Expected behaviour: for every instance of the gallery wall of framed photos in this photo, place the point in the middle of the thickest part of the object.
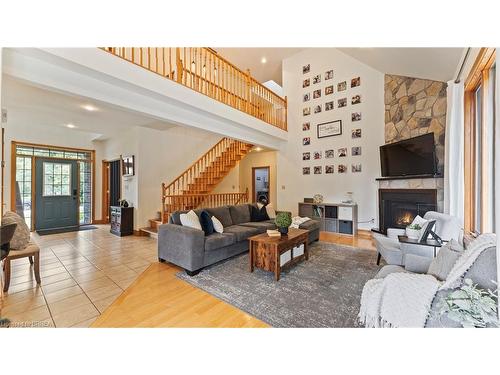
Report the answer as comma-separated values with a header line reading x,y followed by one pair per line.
x,y
336,126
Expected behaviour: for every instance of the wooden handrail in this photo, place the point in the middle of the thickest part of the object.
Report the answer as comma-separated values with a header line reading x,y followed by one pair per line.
x,y
206,72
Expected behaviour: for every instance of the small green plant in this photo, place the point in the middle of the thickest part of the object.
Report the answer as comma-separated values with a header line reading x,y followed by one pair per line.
x,y
283,219
471,306
414,226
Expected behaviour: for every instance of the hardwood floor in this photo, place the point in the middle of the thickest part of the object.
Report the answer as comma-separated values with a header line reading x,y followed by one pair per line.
x,y
157,298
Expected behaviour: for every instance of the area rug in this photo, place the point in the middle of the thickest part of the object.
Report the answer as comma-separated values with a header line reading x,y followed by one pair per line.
x,y
322,292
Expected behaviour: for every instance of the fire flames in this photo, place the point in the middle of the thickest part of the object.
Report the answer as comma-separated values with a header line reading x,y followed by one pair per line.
x,y
405,219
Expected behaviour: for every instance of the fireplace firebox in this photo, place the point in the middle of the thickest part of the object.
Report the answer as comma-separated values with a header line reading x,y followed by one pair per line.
x,y
398,207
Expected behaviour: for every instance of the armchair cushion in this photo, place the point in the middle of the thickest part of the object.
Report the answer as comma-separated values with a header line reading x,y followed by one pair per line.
x,y
393,233
416,263
446,258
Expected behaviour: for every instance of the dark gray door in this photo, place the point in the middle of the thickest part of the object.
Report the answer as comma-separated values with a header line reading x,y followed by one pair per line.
x,y
56,192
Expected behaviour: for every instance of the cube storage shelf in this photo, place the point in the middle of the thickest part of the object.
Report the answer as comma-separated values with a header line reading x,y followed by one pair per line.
x,y
333,217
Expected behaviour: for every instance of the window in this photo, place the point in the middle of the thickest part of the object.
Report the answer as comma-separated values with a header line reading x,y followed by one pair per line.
x,y
56,179
23,179
480,144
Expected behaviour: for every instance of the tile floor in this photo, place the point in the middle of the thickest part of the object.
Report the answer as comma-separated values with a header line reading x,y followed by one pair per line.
x,y
82,274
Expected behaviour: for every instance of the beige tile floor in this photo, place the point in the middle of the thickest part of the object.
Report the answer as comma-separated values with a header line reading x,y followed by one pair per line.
x,y
82,274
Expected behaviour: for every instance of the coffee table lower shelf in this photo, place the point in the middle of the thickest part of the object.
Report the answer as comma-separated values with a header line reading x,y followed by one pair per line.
x,y
266,252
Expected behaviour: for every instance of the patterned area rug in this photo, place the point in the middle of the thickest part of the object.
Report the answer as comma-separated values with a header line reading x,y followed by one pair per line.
x,y
322,292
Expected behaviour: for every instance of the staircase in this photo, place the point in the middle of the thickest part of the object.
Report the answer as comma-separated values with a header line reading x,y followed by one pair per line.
x,y
194,187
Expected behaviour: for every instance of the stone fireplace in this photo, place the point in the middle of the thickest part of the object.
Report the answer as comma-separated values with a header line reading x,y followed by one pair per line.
x,y
398,207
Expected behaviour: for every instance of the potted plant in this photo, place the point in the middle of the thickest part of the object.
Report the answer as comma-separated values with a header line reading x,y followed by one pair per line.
x,y
413,231
283,221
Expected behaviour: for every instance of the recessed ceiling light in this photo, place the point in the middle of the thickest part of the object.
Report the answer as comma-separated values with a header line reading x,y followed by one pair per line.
x,y
258,149
263,60
89,107
71,126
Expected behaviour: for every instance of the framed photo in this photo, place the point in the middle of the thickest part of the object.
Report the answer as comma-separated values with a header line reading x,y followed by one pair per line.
x,y
329,129
306,111
356,133
317,155
342,168
306,97
356,116
328,75
356,151
318,169
329,154
306,69
306,156
128,166
306,82
317,109
342,152
356,168
342,102
329,106
329,169
306,170
342,86
355,82
317,94
356,99
329,90
306,141
306,126
317,79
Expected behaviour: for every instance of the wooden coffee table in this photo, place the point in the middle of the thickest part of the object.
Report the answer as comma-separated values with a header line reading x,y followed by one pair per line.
x,y
266,252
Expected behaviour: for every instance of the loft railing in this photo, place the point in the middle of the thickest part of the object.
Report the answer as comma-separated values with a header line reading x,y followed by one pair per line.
x,y
206,72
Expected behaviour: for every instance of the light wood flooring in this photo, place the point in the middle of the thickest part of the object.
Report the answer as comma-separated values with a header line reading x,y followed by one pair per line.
x,y
89,273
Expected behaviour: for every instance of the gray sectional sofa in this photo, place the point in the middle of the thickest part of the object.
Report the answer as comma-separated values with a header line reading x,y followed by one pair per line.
x,y
190,249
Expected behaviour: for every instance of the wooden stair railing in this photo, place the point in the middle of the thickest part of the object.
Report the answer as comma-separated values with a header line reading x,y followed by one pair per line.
x,y
193,188
205,71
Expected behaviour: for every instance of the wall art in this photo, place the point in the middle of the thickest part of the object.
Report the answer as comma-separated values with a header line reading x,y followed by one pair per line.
x,y
329,129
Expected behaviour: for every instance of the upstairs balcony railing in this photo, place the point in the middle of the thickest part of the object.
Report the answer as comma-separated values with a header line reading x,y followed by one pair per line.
x,y
206,72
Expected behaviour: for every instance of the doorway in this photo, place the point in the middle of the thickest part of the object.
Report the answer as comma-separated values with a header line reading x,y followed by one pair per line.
x,y
56,194
260,185
111,186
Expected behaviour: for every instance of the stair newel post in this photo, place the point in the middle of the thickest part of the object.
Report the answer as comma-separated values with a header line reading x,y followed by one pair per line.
x,y
162,209
178,61
286,114
248,92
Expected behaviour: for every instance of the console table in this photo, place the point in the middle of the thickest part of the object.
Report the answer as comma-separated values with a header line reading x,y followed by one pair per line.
x,y
333,217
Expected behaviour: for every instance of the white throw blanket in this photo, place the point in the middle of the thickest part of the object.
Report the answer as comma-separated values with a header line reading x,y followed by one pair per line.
x,y
297,220
404,299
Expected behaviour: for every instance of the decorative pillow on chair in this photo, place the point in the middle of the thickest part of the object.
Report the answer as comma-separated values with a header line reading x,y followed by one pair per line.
x,y
206,223
444,261
21,236
258,214
218,227
190,220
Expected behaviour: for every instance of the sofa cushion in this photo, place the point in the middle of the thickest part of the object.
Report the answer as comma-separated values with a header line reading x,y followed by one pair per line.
x,y
240,213
262,226
446,258
310,225
206,223
217,240
387,270
241,232
258,214
222,213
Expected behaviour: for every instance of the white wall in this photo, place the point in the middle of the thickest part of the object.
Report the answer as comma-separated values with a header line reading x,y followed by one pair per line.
x,y
292,185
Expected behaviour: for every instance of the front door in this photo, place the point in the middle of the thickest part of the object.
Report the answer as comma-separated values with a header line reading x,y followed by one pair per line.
x,y
56,193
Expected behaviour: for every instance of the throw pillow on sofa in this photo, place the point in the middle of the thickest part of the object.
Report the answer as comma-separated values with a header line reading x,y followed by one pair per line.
x,y
217,225
190,220
21,236
444,261
257,214
271,212
206,223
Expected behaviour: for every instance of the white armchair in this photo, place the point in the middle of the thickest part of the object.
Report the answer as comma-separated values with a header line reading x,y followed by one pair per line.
x,y
388,247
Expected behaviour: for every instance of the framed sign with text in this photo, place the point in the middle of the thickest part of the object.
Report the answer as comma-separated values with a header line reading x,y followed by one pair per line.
x,y
329,129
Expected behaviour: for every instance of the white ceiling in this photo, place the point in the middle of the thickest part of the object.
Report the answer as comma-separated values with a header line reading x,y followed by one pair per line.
x,y
250,58
438,64
27,104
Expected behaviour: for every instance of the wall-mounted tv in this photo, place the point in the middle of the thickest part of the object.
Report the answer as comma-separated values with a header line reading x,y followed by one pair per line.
x,y
410,157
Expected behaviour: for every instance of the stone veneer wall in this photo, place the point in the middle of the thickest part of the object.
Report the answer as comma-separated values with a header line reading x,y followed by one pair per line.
x,y
414,107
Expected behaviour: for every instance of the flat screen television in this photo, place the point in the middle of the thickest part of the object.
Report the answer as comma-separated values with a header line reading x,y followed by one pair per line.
x,y
410,157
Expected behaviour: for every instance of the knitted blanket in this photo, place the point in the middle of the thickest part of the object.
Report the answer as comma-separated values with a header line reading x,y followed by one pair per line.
x,y
404,299
297,220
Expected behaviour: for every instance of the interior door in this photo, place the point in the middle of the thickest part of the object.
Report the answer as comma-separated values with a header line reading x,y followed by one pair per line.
x,y
56,193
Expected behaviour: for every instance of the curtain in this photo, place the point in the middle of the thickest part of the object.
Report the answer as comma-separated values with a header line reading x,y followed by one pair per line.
x,y
454,152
